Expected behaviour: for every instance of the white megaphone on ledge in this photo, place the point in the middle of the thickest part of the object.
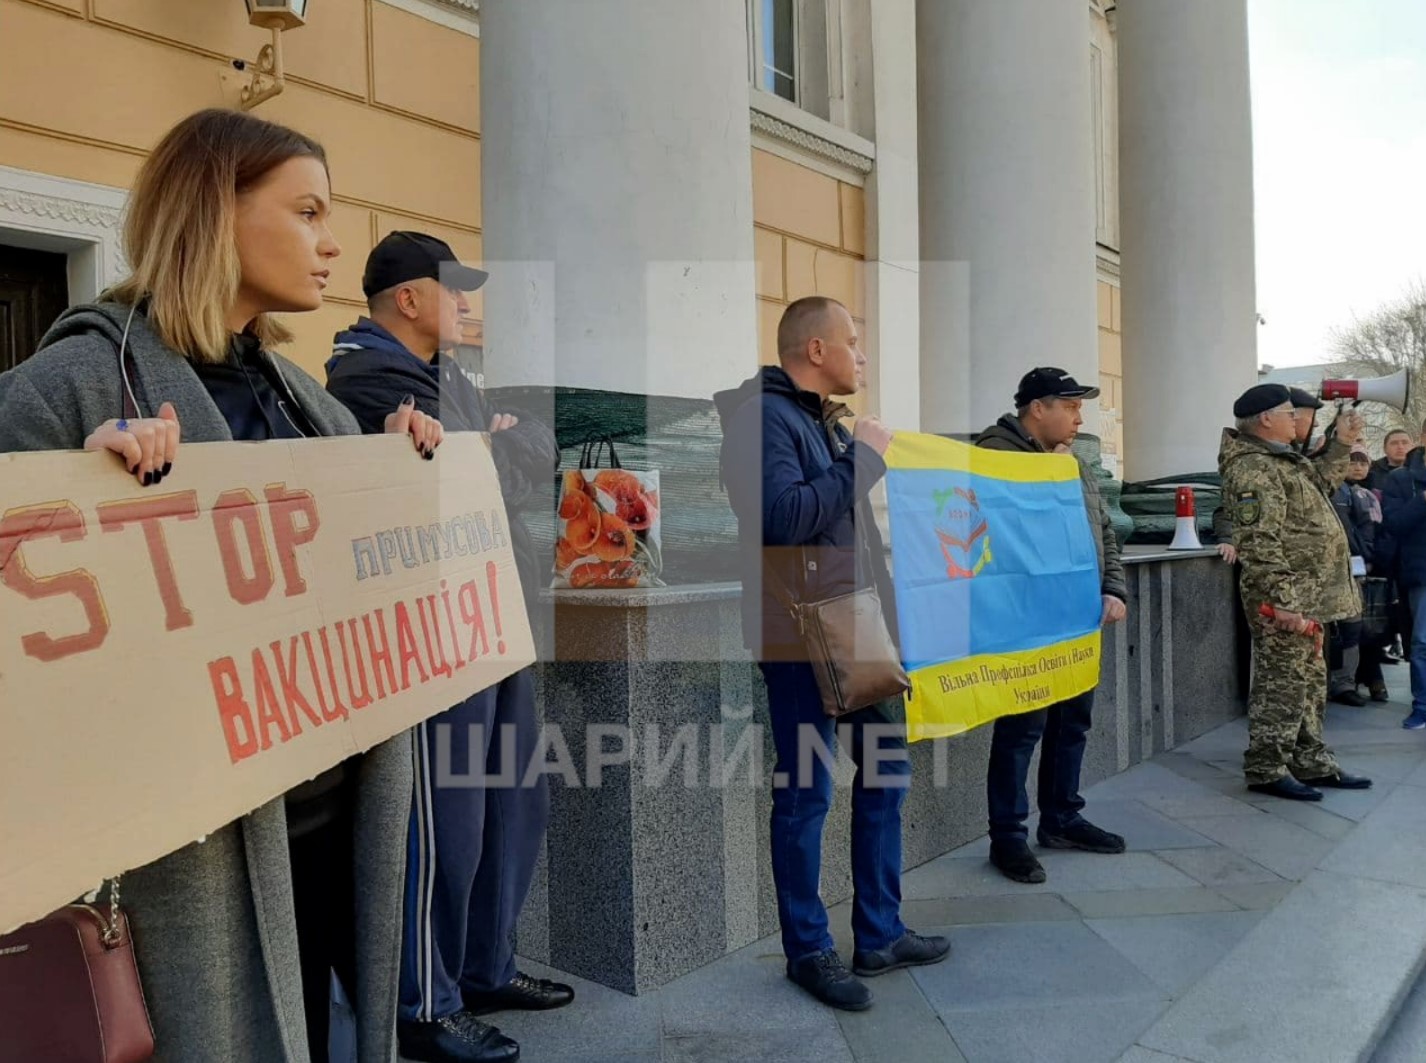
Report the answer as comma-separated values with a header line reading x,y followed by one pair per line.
x,y
1391,390
1185,533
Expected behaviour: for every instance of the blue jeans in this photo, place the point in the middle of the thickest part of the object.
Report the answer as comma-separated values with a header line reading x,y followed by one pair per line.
x,y
1065,729
799,809
1417,595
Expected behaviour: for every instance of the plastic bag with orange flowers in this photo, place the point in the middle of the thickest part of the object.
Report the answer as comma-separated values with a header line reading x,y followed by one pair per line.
x,y
608,525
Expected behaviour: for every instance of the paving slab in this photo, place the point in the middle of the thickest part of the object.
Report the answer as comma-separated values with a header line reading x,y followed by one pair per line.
x,y
1315,817
1393,764
1210,803
1152,779
1071,872
1256,896
1058,1034
1140,1054
1219,867
1123,904
1281,847
748,982
1006,908
1006,966
1331,991
1390,845
1417,777
738,1043
1174,951
1405,1042
901,1026
1357,805
1143,828
1188,766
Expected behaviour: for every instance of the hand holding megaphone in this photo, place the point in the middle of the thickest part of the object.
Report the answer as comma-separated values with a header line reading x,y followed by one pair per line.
x,y
1349,427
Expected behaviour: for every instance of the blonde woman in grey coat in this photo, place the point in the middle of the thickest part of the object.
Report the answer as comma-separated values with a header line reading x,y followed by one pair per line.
x,y
237,935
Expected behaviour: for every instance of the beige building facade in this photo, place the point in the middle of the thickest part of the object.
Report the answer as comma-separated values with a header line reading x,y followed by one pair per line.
x,y
986,186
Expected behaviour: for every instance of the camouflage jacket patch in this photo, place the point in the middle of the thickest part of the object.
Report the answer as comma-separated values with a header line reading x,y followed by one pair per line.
x,y
1248,509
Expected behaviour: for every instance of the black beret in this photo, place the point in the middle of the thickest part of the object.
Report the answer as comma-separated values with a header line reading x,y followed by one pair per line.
x,y
1304,400
1260,398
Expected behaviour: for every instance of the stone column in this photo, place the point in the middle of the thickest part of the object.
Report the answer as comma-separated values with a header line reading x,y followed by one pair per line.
x,y
1007,203
617,192
617,220
1186,218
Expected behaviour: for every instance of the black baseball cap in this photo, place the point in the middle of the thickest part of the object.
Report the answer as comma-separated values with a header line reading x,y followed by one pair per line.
x,y
1304,400
1049,383
407,256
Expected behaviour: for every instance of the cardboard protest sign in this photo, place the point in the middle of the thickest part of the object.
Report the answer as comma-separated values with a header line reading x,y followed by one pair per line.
x,y
173,657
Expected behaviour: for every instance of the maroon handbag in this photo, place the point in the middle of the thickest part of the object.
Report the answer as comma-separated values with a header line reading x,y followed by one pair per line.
x,y
70,991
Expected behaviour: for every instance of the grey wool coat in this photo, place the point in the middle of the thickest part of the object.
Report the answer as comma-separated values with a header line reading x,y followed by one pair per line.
x,y
213,923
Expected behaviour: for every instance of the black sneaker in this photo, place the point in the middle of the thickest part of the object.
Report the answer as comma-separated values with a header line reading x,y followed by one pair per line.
x,y
1016,862
1081,834
825,976
910,950
458,1038
523,993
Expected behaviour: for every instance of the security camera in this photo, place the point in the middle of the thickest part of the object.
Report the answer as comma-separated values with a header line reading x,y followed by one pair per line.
x,y
240,65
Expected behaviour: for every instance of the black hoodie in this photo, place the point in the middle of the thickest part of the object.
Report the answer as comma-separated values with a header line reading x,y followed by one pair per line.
x,y
801,504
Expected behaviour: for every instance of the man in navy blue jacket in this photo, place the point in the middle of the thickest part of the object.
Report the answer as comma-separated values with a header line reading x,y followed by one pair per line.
x,y
798,484
1403,517
472,849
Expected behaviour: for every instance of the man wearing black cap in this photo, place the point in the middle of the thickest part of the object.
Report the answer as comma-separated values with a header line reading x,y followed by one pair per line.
x,y
1046,419
1297,562
472,848
1304,415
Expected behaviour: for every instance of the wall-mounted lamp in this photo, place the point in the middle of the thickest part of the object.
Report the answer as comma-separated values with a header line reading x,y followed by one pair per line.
x,y
268,80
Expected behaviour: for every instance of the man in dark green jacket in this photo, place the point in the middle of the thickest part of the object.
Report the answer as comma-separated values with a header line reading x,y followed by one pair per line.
x,y
1046,419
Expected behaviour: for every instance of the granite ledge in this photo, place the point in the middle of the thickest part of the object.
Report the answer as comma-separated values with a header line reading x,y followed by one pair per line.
x,y
694,593
645,597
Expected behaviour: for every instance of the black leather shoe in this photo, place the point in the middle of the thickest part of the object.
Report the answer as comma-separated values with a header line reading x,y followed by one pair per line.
x,y
1348,697
1287,787
1081,834
911,950
1380,693
522,994
826,977
1341,781
1016,862
458,1038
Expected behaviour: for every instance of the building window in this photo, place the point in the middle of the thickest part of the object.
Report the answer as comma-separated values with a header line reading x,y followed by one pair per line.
x,y
775,45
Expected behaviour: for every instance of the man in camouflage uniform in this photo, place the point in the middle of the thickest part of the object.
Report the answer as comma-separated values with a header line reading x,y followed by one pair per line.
x,y
1295,558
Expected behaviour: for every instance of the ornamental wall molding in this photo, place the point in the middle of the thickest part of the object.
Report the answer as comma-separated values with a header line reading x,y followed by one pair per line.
x,y
805,140
60,209
80,220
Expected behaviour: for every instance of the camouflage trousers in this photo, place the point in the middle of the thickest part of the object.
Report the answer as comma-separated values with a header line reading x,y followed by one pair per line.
x,y
1285,709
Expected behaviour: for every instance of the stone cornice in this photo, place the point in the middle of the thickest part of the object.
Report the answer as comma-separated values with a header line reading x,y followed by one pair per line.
x,y
59,209
805,140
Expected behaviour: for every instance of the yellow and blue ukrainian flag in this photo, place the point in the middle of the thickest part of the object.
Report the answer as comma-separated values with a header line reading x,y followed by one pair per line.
x,y
997,581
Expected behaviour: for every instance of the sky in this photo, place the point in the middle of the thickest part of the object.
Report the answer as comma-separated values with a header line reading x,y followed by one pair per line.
x,y
1339,146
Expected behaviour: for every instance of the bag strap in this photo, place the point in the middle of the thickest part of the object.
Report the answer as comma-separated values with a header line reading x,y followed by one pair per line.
x,y
593,451
860,512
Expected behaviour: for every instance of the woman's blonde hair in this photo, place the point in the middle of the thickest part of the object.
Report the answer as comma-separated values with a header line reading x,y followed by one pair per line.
x,y
179,232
